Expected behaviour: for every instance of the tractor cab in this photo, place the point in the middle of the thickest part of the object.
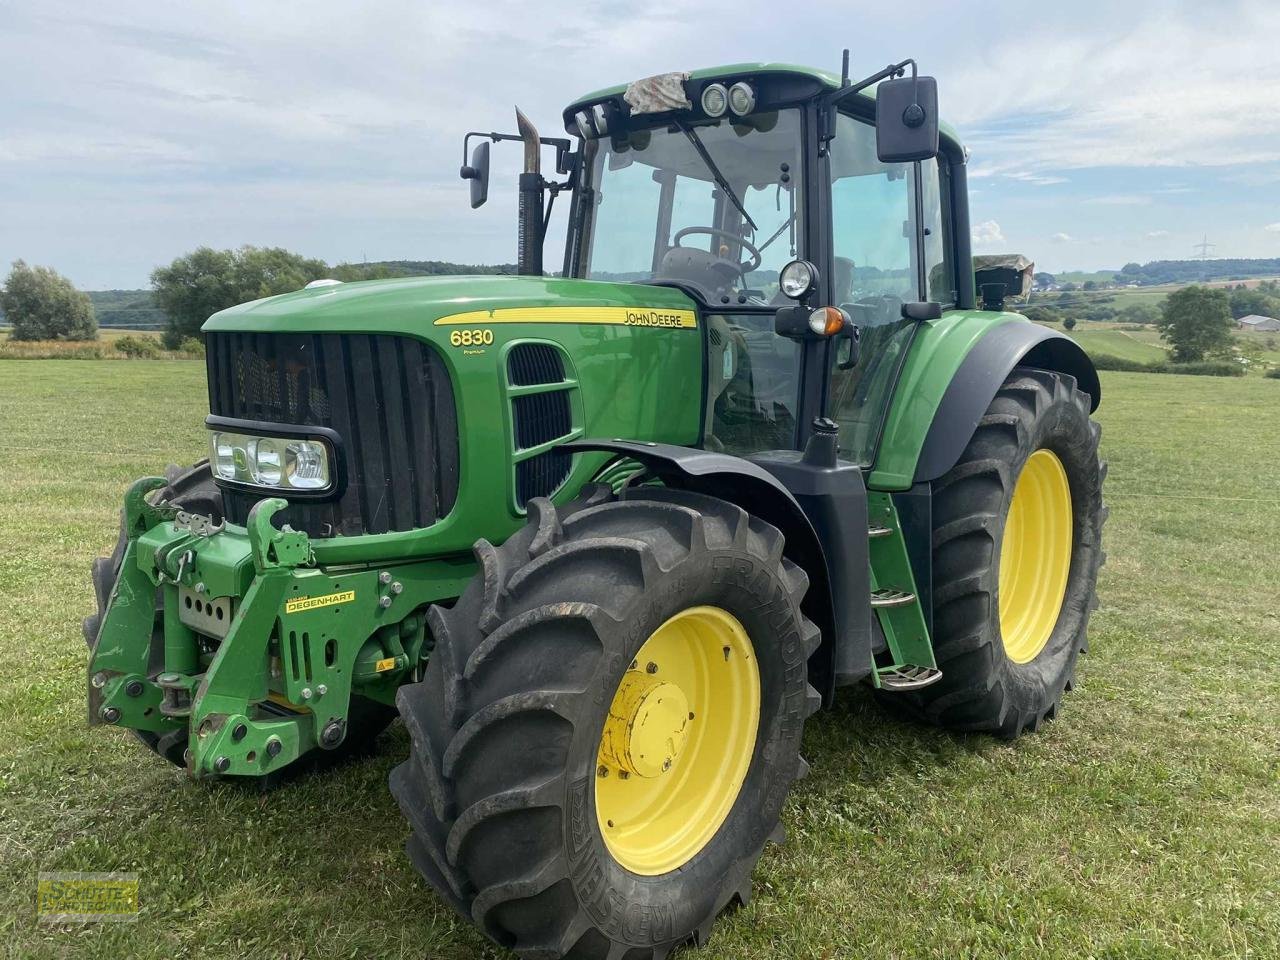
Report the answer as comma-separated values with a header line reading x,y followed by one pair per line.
x,y
723,182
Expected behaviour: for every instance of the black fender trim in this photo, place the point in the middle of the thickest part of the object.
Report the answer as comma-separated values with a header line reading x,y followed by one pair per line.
x,y
976,382
759,492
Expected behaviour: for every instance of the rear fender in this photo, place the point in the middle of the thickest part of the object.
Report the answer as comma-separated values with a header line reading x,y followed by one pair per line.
x,y
956,366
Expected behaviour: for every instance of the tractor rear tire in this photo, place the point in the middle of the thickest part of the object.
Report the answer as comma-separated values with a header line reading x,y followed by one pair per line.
x,y
508,785
1007,658
192,488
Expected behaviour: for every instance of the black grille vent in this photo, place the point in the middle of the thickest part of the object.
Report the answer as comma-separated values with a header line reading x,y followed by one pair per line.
x,y
529,364
390,400
541,418
540,476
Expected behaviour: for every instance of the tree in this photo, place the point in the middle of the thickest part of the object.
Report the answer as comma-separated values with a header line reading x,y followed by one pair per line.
x,y
1143,313
1069,323
1196,321
1131,269
1044,279
1250,302
195,286
42,304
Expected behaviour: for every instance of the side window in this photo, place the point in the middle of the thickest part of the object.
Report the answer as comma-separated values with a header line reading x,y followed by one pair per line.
x,y
876,270
937,238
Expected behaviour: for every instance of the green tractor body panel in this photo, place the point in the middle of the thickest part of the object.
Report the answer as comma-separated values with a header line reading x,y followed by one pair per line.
x,y
937,351
629,373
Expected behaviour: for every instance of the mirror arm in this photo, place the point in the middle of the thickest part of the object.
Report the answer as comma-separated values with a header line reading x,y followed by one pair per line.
x,y
853,89
562,144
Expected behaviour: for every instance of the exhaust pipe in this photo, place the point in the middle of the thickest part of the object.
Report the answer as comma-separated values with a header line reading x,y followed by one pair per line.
x,y
529,249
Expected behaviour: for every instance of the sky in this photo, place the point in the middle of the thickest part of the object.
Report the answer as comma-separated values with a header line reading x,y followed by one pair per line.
x,y
132,132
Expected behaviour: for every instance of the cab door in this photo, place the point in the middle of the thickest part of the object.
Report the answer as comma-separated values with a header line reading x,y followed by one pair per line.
x,y
876,248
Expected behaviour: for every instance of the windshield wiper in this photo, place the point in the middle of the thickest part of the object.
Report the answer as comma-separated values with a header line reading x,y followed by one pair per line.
x,y
721,182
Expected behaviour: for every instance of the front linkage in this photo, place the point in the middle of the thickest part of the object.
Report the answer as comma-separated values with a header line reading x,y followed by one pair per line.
x,y
228,643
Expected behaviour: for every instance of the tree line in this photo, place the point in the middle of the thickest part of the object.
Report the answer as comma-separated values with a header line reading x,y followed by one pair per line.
x,y
41,304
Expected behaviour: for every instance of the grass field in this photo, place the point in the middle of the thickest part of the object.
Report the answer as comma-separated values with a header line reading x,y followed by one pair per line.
x,y
1143,823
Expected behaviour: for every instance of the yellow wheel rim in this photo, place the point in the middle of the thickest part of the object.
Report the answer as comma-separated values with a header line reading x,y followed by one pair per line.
x,y
1035,556
678,741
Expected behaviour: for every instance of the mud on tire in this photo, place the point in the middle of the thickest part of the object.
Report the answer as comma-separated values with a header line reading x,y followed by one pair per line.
x,y
506,724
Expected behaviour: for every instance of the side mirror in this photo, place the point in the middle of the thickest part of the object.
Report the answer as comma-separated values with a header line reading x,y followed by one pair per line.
x,y
922,310
477,171
907,119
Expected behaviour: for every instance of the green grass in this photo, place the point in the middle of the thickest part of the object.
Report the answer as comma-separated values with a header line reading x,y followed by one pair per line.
x,y
1117,343
1143,823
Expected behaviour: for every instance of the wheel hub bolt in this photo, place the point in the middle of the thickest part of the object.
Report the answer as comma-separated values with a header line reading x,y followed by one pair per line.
x,y
111,714
602,771
133,688
651,667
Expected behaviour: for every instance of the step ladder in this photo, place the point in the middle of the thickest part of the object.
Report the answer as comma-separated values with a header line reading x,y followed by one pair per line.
x,y
894,603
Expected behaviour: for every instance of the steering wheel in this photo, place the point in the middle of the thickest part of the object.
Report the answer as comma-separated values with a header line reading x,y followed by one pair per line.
x,y
743,268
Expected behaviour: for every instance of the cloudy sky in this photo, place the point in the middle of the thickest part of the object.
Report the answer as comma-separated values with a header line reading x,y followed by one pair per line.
x,y
131,132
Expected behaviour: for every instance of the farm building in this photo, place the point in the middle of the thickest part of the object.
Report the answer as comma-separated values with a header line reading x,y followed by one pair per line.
x,y
1255,322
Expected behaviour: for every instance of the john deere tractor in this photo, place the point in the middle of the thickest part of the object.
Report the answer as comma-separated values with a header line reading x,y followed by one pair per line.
x,y
606,538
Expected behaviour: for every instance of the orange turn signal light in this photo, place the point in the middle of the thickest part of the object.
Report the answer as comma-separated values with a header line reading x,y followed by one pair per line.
x,y
826,321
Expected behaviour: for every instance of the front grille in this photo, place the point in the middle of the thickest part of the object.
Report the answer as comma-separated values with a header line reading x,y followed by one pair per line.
x,y
541,418
534,363
390,400
542,475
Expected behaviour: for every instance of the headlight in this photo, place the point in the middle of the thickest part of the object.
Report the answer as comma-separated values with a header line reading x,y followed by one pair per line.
x,y
742,99
797,279
601,118
715,98
281,463
585,130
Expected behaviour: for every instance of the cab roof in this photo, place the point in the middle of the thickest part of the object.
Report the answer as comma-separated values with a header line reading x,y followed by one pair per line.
x,y
827,79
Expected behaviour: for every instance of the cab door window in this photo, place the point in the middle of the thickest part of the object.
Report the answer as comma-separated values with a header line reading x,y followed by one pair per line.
x,y
875,270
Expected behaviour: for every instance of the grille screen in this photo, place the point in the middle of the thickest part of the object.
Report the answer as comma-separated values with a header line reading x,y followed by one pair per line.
x,y
390,400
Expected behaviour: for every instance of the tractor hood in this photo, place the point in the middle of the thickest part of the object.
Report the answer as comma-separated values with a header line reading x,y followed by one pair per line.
x,y
422,306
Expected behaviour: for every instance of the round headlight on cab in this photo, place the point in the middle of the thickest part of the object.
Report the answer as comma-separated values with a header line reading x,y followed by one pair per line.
x,y
585,130
715,100
742,99
601,118
798,279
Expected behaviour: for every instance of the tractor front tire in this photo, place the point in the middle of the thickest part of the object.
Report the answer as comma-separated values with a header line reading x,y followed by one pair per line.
x,y
559,797
1017,544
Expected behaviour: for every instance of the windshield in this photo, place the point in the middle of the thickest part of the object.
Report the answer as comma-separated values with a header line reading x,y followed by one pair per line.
x,y
659,214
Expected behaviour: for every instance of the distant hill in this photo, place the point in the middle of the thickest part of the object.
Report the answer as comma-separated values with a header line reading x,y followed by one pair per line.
x,y
1197,271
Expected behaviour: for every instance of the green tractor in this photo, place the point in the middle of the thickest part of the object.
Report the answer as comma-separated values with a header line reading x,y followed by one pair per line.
x,y
606,539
